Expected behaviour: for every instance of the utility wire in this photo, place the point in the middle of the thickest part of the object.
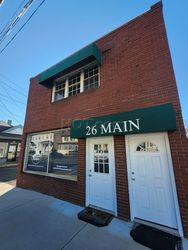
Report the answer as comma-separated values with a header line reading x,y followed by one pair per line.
x,y
6,97
1,2
10,96
15,13
9,111
14,89
14,20
22,26
7,79
2,111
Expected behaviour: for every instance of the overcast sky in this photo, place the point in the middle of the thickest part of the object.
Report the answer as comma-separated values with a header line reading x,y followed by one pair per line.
x,y
60,28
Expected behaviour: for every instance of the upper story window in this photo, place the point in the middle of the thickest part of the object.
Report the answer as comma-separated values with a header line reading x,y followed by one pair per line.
x,y
72,84
91,77
59,92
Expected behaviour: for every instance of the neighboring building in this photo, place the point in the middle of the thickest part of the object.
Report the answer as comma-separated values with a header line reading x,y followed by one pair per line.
x,y
104,128
10,142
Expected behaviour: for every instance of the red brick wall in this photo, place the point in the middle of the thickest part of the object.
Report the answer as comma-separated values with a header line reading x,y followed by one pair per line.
x,y
122,192
136,72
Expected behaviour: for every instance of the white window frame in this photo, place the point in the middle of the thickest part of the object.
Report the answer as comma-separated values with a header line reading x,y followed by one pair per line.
x,y
92,76
65,177
65,77
74,84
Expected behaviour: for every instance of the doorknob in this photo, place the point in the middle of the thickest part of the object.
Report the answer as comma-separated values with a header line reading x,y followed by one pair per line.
x,y
133,179
90,174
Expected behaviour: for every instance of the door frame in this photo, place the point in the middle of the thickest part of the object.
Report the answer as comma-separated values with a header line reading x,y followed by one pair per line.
x,y
87,192
172,178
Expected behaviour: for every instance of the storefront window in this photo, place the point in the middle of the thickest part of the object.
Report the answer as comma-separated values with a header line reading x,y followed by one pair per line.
x,y
3,149
64,155
18,150
12,151
53,153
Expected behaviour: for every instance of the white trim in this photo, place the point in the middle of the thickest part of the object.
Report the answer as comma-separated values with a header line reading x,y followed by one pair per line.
x,y
177,209
66,88
172,178
86,173
82,81
129,177
66,76
62,177
113,170
26,152
157,226
53,93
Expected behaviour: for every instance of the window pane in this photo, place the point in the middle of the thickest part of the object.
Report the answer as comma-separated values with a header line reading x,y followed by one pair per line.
x,y
39,147
12,151
147,147
59,90
63,159
74,84
101,158
106,167
91,77
96,167
3,149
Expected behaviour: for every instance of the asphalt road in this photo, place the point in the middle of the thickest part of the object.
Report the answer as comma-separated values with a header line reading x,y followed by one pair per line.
x,y
8,175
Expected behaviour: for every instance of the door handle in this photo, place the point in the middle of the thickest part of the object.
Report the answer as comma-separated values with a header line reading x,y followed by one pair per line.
x,y
90,174
133,179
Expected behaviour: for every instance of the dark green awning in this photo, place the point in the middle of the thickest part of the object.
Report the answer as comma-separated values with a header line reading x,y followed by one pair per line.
x,y
153,119
85,55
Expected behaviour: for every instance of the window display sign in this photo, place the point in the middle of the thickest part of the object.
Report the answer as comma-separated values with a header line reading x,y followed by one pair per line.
x,y
40,146
64,155
53,153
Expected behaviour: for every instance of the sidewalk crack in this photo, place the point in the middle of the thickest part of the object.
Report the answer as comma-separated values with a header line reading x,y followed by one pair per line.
x,y
66,244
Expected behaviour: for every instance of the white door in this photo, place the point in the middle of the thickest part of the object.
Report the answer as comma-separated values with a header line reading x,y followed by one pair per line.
x,y
100,173
152,193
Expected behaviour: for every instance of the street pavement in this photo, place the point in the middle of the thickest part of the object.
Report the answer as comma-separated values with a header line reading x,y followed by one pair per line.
x,y
8,175
34,221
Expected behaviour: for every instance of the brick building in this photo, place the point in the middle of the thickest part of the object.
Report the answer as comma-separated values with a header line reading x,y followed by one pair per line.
x,y
10,143
104,128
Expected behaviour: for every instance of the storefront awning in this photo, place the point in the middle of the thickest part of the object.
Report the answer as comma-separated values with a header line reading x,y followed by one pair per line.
x,y
76,60
153,119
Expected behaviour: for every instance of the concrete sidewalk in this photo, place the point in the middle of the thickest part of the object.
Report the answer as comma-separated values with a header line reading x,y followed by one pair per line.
x,y
31,220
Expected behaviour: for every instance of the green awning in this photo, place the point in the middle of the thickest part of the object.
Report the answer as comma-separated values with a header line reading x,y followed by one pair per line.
x,y
153,119
83,56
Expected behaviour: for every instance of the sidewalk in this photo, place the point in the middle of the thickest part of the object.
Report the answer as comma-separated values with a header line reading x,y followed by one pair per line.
x,y
31,220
